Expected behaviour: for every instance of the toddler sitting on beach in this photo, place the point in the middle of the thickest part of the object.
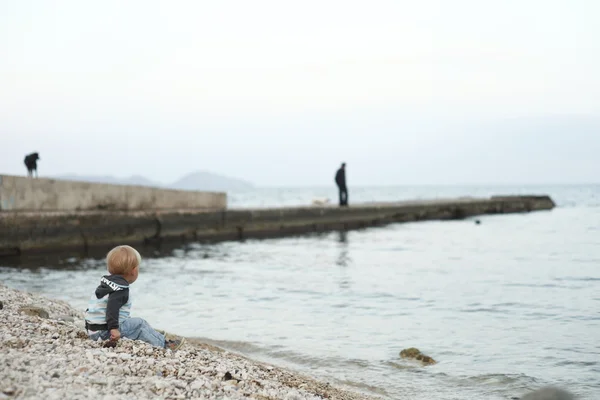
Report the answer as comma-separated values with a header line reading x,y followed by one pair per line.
x,y
107,315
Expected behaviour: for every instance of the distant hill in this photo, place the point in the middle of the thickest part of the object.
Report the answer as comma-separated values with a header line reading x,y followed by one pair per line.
x,y
201,180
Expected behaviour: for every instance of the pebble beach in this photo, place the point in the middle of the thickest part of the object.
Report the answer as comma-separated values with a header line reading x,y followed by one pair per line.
x,y
46,355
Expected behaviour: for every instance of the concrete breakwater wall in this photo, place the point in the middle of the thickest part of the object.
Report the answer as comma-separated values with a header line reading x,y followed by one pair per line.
x,y
30,232
24,194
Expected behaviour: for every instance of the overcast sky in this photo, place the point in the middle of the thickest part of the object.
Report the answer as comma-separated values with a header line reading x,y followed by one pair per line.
x,y
280,92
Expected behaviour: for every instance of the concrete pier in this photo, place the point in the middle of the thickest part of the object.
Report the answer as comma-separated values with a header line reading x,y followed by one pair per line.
x,y
23,232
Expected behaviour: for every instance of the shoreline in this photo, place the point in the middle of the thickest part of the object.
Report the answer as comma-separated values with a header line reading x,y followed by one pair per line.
x,y
52,358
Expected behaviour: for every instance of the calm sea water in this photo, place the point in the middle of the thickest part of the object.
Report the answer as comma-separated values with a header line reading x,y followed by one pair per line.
x,y
505,307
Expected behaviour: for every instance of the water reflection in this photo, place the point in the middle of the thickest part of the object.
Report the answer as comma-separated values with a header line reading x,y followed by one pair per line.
x,y
343,260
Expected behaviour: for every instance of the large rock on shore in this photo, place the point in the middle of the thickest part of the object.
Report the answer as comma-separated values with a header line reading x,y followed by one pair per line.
x,y
34,311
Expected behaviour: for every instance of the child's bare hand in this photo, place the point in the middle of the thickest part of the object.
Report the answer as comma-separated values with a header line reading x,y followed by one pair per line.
x,y
115,335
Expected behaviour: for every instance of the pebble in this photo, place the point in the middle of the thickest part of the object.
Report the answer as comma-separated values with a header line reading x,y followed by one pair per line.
x,y
179,384
196,385
81,370
99,381
65,318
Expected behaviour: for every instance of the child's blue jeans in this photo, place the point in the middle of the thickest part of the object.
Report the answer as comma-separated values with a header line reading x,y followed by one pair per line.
x,y
135,329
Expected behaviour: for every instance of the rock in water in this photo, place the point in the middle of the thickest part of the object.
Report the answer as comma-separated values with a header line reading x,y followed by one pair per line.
x,y
549,393
411,352
34,311
415,354
425,359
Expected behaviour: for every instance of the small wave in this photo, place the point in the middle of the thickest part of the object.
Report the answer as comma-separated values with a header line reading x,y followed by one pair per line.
x,y
396,249
540,315
416,367
543,285
301,291
364,387
509,304
573,349
266,298
502,379
341,305
579,279
233,345
409,298
199,271
483,309
364,307
582,318
576,363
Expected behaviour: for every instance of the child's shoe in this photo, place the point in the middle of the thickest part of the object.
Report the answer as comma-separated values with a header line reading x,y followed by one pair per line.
x,y
174,344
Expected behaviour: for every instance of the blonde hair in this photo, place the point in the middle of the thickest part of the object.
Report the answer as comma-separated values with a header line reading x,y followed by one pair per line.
x,y
122,259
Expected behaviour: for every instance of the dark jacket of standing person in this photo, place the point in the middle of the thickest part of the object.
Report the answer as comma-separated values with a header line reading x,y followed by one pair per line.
x,y
340,180
340,177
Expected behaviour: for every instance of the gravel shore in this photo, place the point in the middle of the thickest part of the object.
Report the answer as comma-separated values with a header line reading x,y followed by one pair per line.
x,y
50,357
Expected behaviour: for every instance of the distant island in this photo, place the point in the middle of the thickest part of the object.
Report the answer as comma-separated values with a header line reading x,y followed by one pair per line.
x,y
200,180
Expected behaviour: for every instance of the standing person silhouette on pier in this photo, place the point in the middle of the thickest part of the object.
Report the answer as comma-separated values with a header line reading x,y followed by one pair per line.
x,y
340,181
31,164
